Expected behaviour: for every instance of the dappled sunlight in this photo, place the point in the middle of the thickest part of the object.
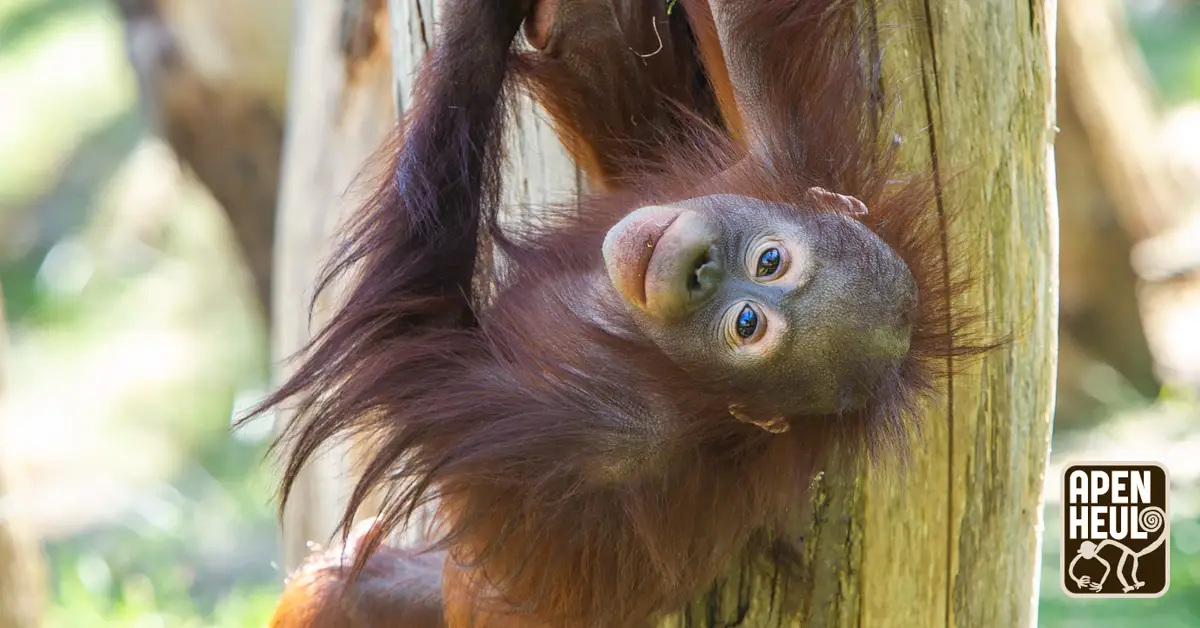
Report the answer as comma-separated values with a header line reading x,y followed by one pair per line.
x,y
131,337
67,420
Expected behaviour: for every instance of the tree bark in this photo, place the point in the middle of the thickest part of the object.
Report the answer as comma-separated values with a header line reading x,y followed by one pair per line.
x,y
954,539
21,572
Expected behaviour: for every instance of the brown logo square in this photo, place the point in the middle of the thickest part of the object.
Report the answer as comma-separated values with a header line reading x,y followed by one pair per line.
x,y
1116,521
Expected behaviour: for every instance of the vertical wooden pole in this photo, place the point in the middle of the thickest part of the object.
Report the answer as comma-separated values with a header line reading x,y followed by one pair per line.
x,y
954,539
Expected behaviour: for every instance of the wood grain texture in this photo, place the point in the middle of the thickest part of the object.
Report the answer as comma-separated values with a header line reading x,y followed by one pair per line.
x,y
954,539
992,103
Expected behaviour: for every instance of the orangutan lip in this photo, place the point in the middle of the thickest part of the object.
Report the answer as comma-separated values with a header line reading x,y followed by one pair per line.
x,y
629,248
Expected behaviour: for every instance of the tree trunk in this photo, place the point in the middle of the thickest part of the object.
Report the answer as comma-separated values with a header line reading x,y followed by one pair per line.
x,y
21,572
1116,189
212,76
1102,74
954,539
1100,317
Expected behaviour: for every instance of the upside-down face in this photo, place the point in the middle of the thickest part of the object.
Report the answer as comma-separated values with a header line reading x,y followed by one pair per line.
x,y
801,304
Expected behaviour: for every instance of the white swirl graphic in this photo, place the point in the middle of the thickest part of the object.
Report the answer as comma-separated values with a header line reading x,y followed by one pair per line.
x,y
1151,518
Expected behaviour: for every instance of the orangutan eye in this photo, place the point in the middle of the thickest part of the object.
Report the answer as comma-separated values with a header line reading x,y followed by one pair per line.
x,y
747,323
768,263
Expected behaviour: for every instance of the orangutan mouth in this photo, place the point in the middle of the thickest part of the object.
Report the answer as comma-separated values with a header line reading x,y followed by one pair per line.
x,y
629,248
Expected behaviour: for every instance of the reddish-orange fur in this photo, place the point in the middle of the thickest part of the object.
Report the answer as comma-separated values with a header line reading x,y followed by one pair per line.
x,y
487,390
316,594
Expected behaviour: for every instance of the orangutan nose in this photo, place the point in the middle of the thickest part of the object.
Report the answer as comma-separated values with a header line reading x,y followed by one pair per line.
x,y
685,270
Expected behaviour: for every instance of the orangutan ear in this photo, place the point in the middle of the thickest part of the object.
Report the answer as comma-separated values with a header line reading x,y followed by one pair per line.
x,y
852,205
775,424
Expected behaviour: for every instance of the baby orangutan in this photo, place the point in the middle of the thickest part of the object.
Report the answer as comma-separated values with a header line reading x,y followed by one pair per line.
x,y
637,398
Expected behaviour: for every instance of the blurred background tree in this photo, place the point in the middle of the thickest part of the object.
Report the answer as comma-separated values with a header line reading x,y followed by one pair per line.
x,y
21,595
212,78
1117,189
142,147
140,150
1128,162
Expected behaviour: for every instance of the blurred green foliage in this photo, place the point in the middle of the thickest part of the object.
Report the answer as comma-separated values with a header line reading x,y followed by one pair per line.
x,y
1169,39
196,547
95,267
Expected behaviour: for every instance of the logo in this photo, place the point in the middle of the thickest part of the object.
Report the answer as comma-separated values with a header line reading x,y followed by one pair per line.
x,y
1115,530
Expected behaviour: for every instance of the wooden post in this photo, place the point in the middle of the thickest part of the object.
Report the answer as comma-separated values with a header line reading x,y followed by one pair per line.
x,y
1111,97
954,539
212,76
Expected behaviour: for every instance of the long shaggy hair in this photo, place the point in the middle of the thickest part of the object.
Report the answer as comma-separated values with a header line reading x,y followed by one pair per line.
x,y
581,476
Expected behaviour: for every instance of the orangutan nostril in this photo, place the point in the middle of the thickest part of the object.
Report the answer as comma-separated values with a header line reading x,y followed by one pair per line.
x,y
705,275
698,265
